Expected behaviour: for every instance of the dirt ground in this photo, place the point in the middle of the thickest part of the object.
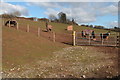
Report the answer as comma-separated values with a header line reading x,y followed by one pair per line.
x,y
71,62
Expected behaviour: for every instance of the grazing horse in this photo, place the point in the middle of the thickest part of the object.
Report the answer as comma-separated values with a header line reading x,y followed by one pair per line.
x,y
49,28
105,35
11,23
89,32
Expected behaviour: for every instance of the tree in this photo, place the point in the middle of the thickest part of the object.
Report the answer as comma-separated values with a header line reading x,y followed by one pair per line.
x,y
99,27
16,13
62,17
83,25
52,17
7,16
68,21
116,27
91,26
56,20
73,20
11,15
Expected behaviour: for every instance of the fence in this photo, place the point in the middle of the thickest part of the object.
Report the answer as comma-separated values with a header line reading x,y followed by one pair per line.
x,y
34,30
113,40
66,38
40,31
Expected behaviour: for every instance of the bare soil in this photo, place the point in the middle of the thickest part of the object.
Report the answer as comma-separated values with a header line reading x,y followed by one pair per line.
x,y
71,62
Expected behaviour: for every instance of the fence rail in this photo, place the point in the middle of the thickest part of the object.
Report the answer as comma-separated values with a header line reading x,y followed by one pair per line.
x,y
78,39
67,38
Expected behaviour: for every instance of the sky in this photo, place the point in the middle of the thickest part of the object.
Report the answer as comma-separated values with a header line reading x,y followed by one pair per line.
x,y
92,13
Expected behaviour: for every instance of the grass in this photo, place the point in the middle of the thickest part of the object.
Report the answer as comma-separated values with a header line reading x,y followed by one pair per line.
x,y
21,47
57,27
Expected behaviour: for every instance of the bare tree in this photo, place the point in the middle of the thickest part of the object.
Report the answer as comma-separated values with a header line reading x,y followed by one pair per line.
x,y
16,13
52,17
62,17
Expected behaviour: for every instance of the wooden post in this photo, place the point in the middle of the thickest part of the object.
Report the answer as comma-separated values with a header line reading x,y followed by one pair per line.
x,y
28,28
3,22
74,38
38,31
9,24
47,26
53,36
89,39
102,38
117,41
17,26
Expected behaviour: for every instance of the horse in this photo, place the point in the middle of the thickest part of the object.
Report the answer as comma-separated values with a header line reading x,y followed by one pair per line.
x,y
11,23
105,36
89,32
49,28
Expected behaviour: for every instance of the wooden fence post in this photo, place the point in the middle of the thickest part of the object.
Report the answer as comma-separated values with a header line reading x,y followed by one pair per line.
x,y
89,39
102,38
117,41
38,31
17,26
74,38
3,22
28,27
53,36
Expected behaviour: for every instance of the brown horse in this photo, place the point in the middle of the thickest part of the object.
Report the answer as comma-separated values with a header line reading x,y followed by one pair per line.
x,y
49,28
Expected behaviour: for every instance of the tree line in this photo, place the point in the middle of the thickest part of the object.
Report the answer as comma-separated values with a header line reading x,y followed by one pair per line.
x,y
62,18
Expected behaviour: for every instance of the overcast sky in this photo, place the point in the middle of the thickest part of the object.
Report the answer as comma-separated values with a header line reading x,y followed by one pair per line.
x,y
96,13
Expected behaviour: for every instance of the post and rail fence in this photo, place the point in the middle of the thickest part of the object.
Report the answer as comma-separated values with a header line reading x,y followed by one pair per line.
x,y
113,40
28,28
77,39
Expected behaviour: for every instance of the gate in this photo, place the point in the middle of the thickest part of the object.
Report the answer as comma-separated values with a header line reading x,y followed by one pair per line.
x,y
113,40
